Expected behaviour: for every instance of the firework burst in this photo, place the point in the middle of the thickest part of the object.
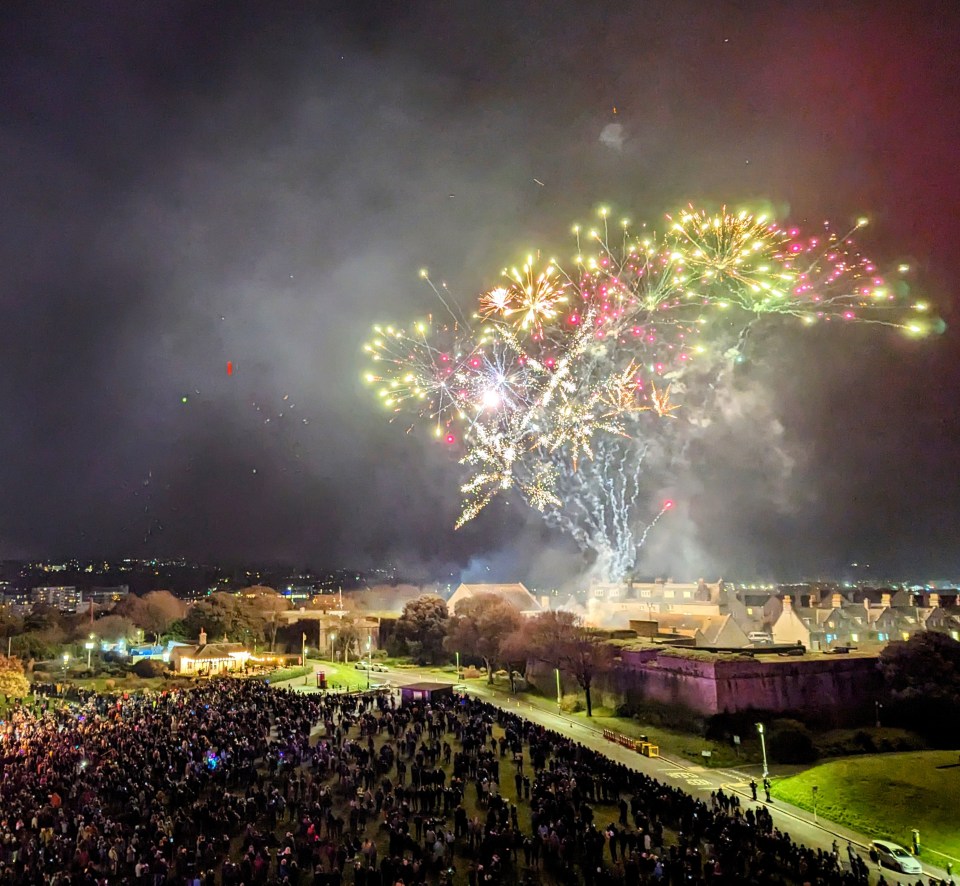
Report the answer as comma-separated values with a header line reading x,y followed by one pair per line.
x,y
560,358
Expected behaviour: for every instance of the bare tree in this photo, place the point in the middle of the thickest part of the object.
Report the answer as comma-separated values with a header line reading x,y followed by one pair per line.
x,y
561,640
480,626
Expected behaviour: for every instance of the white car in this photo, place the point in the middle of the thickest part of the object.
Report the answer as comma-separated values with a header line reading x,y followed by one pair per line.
x,y
891,855
374,666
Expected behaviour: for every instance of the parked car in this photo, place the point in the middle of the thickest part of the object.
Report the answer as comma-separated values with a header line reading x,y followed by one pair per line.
x,y
374,666
760,638
891,855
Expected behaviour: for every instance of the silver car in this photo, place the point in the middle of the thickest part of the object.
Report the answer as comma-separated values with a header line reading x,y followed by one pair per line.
x,y
891,855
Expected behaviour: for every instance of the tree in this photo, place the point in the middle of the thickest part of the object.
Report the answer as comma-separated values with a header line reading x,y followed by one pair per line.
x,y
561,640
480,625
270,604
160,610
44,618
347,638
13,682
113,628
33,646
922,682
227,615
10,624
422,627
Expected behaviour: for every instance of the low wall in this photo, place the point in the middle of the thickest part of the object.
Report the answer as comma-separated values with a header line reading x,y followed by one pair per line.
x,y
837,689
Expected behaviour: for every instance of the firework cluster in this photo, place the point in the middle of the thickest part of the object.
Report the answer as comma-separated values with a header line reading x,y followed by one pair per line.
x,y
557,355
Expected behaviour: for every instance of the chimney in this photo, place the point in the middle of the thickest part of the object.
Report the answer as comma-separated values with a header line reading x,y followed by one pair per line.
x,y
837,601
544,602
934,601
885,600
203,637
787,603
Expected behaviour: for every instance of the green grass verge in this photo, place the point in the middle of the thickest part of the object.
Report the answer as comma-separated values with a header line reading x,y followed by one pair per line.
x,y
886,797
674,743
281,674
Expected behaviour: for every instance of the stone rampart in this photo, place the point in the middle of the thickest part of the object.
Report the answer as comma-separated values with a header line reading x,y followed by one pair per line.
x,y
835,689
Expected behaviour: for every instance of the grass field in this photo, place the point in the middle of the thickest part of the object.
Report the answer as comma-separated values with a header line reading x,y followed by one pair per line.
x,y
886,797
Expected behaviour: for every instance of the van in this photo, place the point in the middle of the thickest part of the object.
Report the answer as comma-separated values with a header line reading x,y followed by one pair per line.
x,y
760,638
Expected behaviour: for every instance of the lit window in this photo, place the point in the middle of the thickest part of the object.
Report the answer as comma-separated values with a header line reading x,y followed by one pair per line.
x,y
855,638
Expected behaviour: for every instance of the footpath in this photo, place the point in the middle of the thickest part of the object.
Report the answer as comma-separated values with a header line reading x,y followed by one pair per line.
x,y
699,780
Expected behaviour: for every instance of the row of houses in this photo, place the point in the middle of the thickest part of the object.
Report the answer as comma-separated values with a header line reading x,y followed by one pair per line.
x,y
716,615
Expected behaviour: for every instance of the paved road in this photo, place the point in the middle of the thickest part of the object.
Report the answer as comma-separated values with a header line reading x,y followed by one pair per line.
x,y
697,780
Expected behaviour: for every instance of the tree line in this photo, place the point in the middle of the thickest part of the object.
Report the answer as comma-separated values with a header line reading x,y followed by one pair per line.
x,y
489,629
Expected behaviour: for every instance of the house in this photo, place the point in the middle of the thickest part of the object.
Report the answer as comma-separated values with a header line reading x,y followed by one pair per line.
x,y
944,621
517,594
723,632
847,624
209,659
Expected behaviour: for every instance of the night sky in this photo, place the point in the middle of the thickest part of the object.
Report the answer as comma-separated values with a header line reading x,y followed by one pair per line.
x,y
189,183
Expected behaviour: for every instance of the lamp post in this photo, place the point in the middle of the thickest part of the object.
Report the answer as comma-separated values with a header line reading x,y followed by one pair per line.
x,y
368,661
763,748
458,666
559,696
303,658
66,658
89,647
816,790
333,645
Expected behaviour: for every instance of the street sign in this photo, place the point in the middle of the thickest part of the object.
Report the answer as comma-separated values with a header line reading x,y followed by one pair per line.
x,y
736,739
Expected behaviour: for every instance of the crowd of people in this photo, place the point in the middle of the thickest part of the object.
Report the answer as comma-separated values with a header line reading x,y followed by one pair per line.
x,y
234,782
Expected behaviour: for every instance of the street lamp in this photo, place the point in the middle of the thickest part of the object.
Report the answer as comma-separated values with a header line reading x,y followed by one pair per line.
x,y
816,790
368,661
89,647
559,696
763,748
458,666
333,645
66,658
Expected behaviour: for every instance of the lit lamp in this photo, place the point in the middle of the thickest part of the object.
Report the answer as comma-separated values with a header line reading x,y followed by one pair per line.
x,y
66,658
763,748
89,647
333,646
368,661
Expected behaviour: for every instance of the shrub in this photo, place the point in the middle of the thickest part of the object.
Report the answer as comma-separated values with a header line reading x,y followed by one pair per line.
x,y
571,704
110,684
147,668
790,741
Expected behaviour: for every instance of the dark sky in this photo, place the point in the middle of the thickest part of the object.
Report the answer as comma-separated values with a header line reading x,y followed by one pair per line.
x,y
187,183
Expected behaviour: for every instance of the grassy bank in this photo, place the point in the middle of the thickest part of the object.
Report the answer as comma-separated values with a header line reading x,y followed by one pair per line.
x,y
886,797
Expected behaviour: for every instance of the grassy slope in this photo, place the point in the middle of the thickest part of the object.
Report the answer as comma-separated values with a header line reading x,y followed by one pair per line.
x,y
886,796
